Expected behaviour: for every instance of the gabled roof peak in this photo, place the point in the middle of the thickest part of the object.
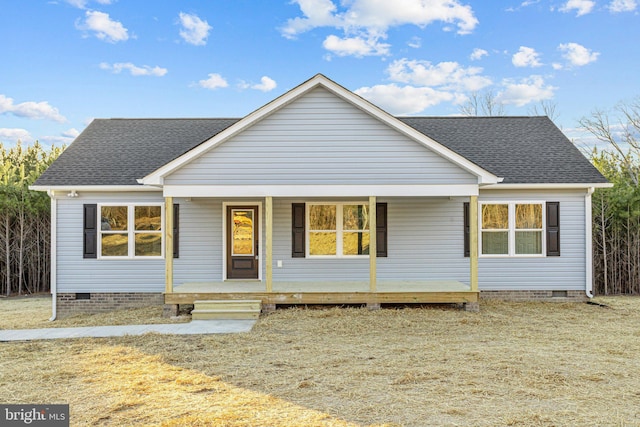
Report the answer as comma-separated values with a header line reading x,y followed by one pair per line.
x,y
157,177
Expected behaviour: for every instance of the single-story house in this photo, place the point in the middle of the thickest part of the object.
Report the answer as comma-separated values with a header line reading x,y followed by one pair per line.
x,y
319,197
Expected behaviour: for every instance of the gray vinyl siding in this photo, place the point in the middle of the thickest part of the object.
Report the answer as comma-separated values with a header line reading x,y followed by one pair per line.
x,y
308,269
201,251
425,242
75,274
566,272
320,139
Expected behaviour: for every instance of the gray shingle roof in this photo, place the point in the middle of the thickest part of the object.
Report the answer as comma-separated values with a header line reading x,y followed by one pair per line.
x,y
522,150
519,149
119,151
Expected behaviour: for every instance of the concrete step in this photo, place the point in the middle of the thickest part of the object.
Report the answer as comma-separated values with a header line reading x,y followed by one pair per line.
x,y
226,309
218,314
228,304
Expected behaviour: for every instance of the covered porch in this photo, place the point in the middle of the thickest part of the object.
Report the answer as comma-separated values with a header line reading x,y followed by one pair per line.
x,y
327,292
372,292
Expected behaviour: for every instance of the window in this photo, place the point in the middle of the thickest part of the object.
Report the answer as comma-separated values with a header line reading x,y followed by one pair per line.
x,y
130,231
512,229
337,229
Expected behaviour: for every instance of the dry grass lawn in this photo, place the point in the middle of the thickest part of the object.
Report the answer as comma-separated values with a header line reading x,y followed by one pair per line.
x,y
33,312
511,364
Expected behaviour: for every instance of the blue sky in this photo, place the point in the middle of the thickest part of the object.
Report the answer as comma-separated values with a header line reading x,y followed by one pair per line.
x,y
66,62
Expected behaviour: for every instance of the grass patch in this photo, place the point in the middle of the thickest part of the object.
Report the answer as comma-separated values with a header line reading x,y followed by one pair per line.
x,y
33,312
512,364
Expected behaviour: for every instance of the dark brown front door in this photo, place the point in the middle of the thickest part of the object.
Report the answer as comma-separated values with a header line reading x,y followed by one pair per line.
x,y
242,242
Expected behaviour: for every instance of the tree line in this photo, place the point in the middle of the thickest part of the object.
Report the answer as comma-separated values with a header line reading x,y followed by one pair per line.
x,y
616,211
25,225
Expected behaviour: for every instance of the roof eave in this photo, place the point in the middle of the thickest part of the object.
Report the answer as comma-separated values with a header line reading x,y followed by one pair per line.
x,y
546,186
93,188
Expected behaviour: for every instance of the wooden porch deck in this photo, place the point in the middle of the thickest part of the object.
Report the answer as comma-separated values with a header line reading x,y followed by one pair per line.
x,y
347,292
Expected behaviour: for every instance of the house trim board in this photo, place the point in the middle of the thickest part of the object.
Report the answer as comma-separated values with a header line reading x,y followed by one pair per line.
x,y
54,255
543,186
320,190
168,242
588,236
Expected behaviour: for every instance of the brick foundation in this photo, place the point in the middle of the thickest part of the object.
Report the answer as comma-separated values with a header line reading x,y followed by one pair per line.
x,y
551,296
102,302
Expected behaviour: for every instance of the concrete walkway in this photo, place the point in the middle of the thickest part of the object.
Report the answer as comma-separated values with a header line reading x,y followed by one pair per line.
x,y
192,328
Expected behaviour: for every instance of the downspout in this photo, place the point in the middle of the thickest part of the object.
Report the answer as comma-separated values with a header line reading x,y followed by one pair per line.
x,y
588,226
53,284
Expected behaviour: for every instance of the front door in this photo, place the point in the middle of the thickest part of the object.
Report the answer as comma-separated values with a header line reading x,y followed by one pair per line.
x,y
242,242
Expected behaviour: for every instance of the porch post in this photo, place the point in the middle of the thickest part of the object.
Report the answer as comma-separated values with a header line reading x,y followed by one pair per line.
x,y
372,243
268,216
168,245
473,242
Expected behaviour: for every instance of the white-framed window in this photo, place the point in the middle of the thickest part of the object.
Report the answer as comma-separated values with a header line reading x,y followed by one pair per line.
x,y
337,229
512,229
131,230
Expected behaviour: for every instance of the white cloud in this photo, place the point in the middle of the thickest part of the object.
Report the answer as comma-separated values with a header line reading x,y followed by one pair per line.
x,y
214,81
446,75
266,84
318,13
426,85
526,57
71,133
355,46
65,138
364,22
104,27
527,90
582,7
134,70
415,42
577,55
477,54
194,30
30,110
82,4
403,100
617,6
522,5
11,135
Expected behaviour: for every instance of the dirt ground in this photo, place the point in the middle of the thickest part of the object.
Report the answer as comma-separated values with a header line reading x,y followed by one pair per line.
x,y
511,364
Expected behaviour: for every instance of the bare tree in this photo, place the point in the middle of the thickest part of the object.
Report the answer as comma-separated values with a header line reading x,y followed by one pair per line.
x,y
545,108
616,211
623,136
482,104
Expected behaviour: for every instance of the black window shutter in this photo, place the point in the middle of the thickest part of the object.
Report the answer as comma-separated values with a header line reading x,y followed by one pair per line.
x,y
467,231
381,229
176,230
297,230
553,228
90,237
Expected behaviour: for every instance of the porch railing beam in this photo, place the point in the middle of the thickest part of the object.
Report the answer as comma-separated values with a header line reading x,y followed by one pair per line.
x,y
473,243
268,219
168,245
372,244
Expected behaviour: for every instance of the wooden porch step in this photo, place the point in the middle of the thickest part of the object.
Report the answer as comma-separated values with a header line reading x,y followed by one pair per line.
x,y
226,309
